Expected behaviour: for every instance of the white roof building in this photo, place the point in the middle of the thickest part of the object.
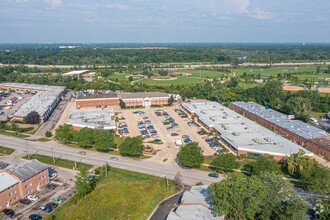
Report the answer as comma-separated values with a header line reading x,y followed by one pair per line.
x,y
6,181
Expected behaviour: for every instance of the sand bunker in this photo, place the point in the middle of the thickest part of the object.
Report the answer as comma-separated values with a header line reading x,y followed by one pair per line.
x,y
325,90
182,74
293,88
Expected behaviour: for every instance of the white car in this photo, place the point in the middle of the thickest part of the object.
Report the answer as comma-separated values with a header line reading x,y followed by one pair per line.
x,y
33,198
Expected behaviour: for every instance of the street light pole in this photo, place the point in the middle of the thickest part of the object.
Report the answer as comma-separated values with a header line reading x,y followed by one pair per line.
x,y
53,156
27,150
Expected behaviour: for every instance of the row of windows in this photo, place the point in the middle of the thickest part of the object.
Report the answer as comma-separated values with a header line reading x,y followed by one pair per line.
x,y
154,99
103,102
10,194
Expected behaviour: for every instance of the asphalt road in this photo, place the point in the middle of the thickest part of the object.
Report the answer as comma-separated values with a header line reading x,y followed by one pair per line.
x,y
189,176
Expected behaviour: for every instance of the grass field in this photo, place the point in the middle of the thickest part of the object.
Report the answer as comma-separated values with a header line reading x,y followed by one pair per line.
x,y
122,195
6,150
12,134
180,80
248,85
203,73
43,139
69,164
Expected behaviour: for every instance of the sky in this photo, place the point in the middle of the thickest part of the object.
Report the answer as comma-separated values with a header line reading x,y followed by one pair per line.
x,y
150,21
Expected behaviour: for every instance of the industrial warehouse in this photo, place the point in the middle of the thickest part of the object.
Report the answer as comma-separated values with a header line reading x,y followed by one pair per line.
x,y
102,118
25,87
313,138
240,134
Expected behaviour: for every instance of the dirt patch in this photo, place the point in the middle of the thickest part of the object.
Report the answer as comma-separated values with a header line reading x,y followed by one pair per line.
x,y
168,78
181,74
293,88
135,76
324,90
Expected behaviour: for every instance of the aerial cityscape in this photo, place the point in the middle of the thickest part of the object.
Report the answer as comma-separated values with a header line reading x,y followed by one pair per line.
x,y
177,110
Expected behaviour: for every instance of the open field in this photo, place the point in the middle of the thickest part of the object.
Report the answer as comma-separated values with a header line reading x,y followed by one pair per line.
x,y
180,80
202,73
121,195
14,134
248,85
69,164
6,150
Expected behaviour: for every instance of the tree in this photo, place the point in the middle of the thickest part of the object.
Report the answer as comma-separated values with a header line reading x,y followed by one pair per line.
x,y
191,155
85,137
322,209
225,162
64,133
171,100
295,163
104,141
238,196
33,118
83,183
131,147
316,178
48,134
282,201
263,163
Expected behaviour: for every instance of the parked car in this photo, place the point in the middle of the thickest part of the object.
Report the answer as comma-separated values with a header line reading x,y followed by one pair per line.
x,y
35,217
187,141
122,118
153,131
158,141
166,123
215,175
191,124
125,134
3,165
113,158
57,200
175,125
9,212
51,186
174,134
179,143
154,135
201,132
33,197
145,117
185,136
25,201
52,205
170,128
135,112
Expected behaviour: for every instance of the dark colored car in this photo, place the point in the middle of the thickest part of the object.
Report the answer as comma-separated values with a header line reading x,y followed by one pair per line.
x,y
187,141
185,136
51,186
135,112
52,205
9,212
3,165
25,201
35,217
215,175
174,134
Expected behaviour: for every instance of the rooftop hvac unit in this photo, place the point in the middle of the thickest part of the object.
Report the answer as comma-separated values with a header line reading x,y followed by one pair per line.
x,y
242,123
224,117
246,127
267,139
238,116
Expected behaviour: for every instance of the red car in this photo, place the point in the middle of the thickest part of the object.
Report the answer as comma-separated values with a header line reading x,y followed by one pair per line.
x,y
201,132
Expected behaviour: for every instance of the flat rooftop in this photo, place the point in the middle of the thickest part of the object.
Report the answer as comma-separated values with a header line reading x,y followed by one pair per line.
x,y
143,95
93,118
33,86
322,141
75,72
242,133
40,102
27,169
98,96
298,127
6,181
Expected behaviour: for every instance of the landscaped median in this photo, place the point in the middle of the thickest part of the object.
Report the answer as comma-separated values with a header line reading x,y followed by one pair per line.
x,y
122,195
6,150
69,164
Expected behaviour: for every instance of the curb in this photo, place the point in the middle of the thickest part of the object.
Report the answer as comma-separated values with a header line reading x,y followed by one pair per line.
x,y
164,200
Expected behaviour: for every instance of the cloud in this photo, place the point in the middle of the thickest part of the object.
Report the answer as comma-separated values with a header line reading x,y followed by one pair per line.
x,y
116,5
240,5
54,3
260,14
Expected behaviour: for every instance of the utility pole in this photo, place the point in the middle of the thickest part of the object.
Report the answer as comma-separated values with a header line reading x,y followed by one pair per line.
x,y
75,163
53,156
27,150
106,170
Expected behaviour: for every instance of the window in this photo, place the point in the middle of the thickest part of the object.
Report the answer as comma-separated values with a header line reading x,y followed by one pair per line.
x,y
88,103
43,176
31,190
102,102
14,191
30,184
45,181
10,194
85,103
27,192
40,178
15,197
26,186
253,155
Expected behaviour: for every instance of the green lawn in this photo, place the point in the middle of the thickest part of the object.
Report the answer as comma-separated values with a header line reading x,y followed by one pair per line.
x,y
248,85
201,73
180,80
69,164
12,134
43,139
6,150
122,195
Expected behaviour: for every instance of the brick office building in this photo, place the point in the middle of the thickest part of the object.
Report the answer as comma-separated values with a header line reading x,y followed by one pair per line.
x,y
294,130
144,99
97,100
19,181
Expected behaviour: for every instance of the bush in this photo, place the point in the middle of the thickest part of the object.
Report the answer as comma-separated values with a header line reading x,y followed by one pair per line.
x,y
131,147
33,118
191,155
225,162
48,134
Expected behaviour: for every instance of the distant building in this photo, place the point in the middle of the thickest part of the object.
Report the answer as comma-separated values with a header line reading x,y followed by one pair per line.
x,y
102,118
19,181
76,73
34,88
195,204
97,100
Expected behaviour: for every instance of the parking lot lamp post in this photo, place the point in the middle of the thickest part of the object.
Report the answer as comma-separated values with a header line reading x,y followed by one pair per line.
x,y
53,156
27,150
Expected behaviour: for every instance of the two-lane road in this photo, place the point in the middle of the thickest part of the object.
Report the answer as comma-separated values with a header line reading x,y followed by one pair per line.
x,y
189,176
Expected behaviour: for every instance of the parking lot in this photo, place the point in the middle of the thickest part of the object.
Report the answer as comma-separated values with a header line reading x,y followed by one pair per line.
x,y
64,190
167,148
9,109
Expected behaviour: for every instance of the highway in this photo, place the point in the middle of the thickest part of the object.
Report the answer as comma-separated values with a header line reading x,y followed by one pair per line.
x,y
189,176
